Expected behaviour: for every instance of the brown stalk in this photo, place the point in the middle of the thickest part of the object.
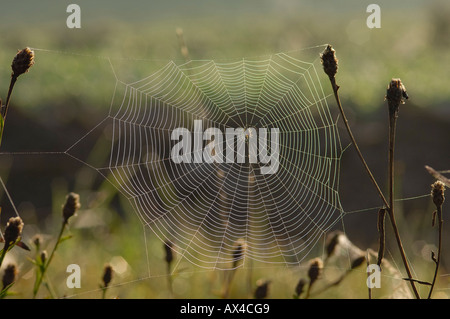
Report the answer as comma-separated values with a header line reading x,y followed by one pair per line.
x,y
8,97
368,273
438,175
382,235
437,193
69,209
394,95
330,65
329,62
168,248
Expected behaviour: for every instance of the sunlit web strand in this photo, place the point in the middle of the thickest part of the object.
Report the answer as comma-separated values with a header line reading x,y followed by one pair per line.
x,y
229,88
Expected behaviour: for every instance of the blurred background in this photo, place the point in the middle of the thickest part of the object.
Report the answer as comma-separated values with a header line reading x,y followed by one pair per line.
x,y
69,90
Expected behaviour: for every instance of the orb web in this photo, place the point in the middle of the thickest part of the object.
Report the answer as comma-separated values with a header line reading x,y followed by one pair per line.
x,y
205,208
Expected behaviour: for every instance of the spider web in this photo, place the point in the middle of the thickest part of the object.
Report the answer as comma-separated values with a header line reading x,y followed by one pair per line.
x,y
205,208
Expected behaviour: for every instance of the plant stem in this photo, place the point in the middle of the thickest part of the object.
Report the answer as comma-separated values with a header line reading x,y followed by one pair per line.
x,y
249,276
392,125
49,289
368,273
438,260
382,235
229,275
349,131
169,280
438,175
389,206
369,173
8,98
4,110
308,291
2,256
6,248
39,279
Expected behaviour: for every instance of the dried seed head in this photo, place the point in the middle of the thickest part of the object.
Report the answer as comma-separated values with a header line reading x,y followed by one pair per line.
x,y
168,247
238,252
13,230
107,275
395,95
329,61
332,242
315,270
43,256
9,276
358,261
300,286
22,62
71,206
437,193
37,241
438,175
262,289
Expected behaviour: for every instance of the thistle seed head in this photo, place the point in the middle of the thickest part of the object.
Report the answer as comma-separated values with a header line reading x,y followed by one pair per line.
x,y
71,206
22,62
333,242
300,286
168,245
13,230
262,289
43,256
358,261
107,275
329,61
238,252
395,95
37,241
9,276
437,193
315,270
